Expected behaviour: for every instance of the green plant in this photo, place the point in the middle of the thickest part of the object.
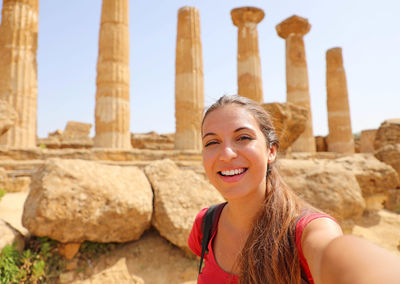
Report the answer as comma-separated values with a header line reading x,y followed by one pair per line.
x,y
89,250
42,146
2,193
39,263
9,265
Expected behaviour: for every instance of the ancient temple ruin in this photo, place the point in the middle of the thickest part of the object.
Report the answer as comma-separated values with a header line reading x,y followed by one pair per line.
x,y
293,30
340,137
18,69
18,76
112,113
189,80
248,56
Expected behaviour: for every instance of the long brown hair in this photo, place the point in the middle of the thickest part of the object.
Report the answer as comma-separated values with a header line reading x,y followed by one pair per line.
x,y
269,254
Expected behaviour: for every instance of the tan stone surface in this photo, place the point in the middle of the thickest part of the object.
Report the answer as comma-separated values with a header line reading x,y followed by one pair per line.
x,y
373,176
289,121
152,259
9,236
390,154
74,200
340,138
153,141
178,196
96,154
367,139
114,273
248,57
320,143
112,112
18,68
189,80
68,250
325,185
388,133
11,206
393,200
292,30
15,184
8,116
77,129
382,228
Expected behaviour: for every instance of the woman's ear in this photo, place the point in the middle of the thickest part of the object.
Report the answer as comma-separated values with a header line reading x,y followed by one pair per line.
x,y
272,151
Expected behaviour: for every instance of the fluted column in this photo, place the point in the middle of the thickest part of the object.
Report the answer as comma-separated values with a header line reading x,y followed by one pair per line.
x,y
189,80
340,138
248,57
112,113
18,68
293,30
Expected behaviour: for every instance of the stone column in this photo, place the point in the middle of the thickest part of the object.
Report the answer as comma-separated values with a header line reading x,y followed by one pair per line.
x,y
189,80
112,113
248,58
18,69
293,30
340,138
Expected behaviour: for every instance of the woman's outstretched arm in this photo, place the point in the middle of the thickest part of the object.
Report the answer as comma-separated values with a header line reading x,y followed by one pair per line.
x,y
334,258
352,260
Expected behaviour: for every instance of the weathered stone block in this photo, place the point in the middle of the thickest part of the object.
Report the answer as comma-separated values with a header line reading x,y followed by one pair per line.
x,y
178,196
75,200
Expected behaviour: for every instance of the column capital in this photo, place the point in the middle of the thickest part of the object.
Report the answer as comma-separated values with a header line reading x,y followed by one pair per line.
x,y
293,25
246,14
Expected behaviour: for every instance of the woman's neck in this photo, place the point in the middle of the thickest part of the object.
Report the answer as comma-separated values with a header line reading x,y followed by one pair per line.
x,y
240,213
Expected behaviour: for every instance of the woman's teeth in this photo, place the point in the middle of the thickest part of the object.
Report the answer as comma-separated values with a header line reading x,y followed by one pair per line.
x,y
232,172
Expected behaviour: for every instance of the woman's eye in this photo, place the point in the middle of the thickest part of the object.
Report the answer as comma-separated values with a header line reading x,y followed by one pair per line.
x,y
244,137
210,143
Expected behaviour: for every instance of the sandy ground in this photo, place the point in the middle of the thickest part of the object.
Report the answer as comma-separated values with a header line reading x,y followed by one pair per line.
x,y
156,261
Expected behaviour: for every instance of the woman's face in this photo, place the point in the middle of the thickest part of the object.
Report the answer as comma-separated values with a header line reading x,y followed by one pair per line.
x,y
235,153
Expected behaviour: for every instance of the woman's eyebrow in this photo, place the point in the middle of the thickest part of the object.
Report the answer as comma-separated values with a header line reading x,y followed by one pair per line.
x,y
208,134
243,128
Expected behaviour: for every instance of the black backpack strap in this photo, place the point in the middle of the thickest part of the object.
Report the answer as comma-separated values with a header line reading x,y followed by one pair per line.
x,y
208,227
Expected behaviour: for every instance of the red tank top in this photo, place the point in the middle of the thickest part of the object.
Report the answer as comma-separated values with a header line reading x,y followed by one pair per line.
x,y
213,274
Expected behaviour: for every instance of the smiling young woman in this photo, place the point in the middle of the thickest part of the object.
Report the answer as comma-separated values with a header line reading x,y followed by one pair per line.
x,y
265,233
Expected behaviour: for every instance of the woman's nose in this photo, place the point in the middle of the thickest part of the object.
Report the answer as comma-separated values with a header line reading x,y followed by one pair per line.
x,y
227,153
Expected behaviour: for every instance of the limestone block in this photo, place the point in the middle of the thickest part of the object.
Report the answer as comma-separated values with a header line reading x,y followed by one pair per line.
x,y
178,196
325,185
9,236
340,134
8,116
388,133
68,250
320,143
390,154
289,121
393,200
75,200
189,80
153,141
367,139
13,184
372,175
357,143
248,56
77,129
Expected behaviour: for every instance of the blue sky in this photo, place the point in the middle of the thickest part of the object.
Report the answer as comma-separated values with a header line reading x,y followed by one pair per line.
x,y
368,31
